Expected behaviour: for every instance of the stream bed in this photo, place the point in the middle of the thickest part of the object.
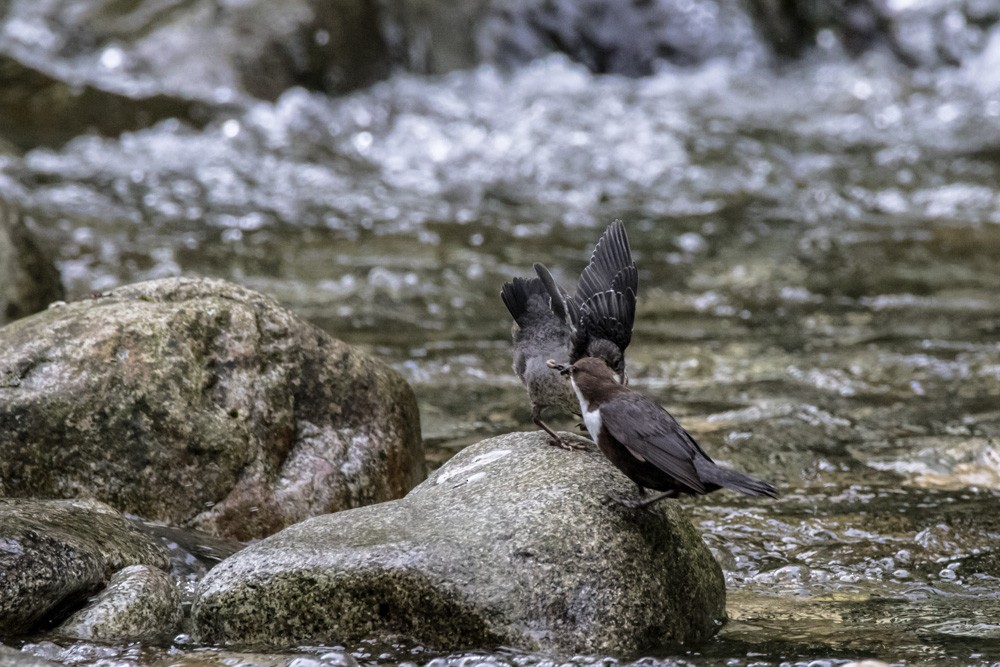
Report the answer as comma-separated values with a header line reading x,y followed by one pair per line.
x,y
819,303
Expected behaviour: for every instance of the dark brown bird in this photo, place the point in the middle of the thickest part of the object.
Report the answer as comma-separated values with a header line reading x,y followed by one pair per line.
x,y
549,323
645,442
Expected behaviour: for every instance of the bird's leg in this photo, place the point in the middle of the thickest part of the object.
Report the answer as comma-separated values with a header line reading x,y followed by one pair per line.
x,y
557,440
646,502
642,501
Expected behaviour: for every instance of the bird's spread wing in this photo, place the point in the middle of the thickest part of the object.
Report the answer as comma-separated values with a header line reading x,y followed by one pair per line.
x,y
650,434
605,298
608,315
610,265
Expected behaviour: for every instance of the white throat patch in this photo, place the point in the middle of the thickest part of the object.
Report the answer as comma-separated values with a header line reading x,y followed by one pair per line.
x,y
591,418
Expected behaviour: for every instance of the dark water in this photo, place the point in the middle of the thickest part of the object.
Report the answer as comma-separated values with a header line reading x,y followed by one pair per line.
x,y
820,292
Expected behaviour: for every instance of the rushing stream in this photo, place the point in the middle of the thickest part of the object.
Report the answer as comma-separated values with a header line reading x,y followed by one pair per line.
x,y
819,301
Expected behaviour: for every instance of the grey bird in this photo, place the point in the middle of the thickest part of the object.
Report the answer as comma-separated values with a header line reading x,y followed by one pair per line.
x,y
551,324
645,442
602,312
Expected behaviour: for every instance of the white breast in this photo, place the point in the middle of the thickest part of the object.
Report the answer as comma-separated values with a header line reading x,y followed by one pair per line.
x,y
591,418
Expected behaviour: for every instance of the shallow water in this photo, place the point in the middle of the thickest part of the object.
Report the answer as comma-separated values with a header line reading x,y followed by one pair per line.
x,y
820,301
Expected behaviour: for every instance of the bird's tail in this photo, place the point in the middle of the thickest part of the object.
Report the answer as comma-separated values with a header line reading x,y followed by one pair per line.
x,y
516,295
710,473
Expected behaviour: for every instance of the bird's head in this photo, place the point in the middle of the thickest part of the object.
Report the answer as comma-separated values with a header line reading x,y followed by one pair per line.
x,y
590,374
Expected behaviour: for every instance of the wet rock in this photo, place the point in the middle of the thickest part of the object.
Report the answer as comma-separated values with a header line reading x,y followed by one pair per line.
x,y
139,604
616,36
28,279
206,50
200,403
54,553
46,106
10,657
512,542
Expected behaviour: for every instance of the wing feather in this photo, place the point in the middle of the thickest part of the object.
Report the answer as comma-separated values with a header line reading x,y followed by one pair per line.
x,y
661,441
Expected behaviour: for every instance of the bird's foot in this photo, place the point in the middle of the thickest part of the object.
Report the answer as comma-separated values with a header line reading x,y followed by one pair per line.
x,y
631,502
568,445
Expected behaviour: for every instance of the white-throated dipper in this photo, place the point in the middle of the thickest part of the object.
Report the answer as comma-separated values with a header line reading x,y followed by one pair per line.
x,y
645,442
551,324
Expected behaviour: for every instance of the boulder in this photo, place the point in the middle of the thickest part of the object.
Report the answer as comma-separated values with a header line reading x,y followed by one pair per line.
x,y
200,403
54,553
29,280
511,543
140,603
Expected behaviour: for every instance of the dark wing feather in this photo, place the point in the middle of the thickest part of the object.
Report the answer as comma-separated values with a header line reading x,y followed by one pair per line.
x,y
610,265
607,315
661,442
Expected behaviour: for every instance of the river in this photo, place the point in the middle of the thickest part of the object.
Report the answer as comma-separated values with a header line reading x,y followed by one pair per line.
x,y
819,304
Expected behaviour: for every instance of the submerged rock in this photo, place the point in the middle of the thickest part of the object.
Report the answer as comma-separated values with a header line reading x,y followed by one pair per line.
x,y
54,553
512,542
200,403
28,279
10,657
139,604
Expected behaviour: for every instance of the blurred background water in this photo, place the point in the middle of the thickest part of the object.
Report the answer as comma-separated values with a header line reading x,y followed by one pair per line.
x,y
811,194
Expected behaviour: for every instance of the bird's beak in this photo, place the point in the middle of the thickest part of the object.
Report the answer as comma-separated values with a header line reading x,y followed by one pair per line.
x,y
551,363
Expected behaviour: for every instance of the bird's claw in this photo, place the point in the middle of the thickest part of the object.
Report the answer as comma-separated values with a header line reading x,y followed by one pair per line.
x,y
569,446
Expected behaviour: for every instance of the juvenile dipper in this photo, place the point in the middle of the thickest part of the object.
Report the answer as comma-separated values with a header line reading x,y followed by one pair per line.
x,y
645,442
551,324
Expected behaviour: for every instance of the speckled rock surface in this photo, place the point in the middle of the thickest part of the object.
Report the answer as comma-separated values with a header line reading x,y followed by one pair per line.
x,y
140,603
512,542
200,403
28,280
54,553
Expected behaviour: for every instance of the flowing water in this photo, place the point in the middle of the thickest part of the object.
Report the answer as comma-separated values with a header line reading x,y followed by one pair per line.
x,y
819,302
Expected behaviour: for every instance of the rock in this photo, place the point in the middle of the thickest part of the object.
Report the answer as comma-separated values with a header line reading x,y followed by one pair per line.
x,y
205,50
139,604
10,657
607,36
47,106
54,553
29,280
200,403
512,542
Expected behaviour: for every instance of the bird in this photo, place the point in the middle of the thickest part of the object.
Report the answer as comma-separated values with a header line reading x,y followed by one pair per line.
x,y
645,442
601,313
549,323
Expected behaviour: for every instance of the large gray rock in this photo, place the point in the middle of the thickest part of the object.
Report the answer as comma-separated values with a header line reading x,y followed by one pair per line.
x,y
140,603
200,403
54,553
512,542
28,279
